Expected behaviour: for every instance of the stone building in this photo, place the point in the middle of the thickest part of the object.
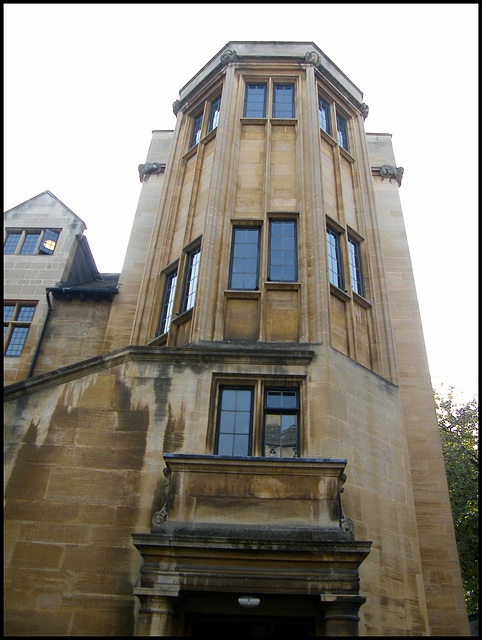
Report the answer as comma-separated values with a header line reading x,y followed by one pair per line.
x,y
237,434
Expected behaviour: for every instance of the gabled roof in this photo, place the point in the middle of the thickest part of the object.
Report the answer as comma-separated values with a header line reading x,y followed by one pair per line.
x,y
49,193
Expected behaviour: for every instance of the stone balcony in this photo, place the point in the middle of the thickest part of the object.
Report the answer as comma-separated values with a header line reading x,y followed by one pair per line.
x,y
272,492
232,527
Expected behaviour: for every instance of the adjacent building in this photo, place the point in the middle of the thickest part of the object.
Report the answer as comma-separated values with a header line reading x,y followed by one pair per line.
x,y
237,434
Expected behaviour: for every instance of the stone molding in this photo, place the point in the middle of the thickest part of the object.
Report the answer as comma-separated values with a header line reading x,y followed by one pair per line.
x,y
259,353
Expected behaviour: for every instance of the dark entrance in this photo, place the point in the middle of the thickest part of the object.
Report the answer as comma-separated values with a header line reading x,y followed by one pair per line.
x,y
251,627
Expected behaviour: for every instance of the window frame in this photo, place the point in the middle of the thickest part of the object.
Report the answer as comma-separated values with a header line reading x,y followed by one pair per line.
x,y
187,294
168,299
39,248
227,387
259,386
276,85
246,101
13,323
356,272
337,258
342,135
196,130
327,112
213,114
267,411
276,220
236,228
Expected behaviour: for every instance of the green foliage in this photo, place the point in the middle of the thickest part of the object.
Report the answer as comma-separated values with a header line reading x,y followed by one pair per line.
x,y
459,430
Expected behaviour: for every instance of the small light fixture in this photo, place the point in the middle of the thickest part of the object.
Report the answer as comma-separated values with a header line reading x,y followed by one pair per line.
x,y
248,601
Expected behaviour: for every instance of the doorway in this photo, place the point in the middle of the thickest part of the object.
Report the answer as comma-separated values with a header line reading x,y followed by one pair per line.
x,y
229,627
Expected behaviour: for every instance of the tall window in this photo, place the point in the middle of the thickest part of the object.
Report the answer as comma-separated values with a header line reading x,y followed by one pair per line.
x,y
255,101
282,259
31,242
283,101
281,417
234,422
196,130
167,303
324,115
190,283
341,129
16,323
355,266
334,258
214,114
244,266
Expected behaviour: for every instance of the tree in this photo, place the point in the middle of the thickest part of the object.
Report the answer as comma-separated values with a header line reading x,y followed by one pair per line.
x,y
459,430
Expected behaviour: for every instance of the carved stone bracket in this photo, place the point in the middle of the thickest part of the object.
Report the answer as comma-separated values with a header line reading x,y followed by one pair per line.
x,y
145,170
228,57
311,57
159,518
387,171
364,110
346,524
176,105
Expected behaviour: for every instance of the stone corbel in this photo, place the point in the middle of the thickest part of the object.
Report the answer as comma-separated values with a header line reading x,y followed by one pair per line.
x,y
228,56
387,171
176,105
346,524
364,111
145,170
160,517
311,57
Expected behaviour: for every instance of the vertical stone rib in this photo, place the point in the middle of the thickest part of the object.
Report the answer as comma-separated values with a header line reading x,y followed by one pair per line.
x,y
209,271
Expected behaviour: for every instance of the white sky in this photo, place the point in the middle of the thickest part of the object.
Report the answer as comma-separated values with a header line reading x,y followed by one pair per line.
x,y
85,85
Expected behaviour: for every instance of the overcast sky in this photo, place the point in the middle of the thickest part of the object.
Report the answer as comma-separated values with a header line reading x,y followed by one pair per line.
x,y
86,84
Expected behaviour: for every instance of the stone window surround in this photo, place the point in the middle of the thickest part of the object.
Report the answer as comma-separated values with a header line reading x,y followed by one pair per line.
x,y
24,232
259,384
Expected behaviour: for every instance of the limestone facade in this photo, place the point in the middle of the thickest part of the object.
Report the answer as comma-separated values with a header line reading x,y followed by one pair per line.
x,y
125,513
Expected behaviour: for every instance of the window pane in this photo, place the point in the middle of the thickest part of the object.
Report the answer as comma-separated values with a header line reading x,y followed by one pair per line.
x,y
281,399
30,243
191,279
167,303
16,342
255,101
25,314
234,422
225,445
241,422
8,310
324,115
355,266
334,258
226,422
49,241
214,114
244,259
196,130
241,446
341,129
11,243
282,251
281,424
283,101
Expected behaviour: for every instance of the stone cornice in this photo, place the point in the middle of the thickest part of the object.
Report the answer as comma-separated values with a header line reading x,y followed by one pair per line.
x,y
203,353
